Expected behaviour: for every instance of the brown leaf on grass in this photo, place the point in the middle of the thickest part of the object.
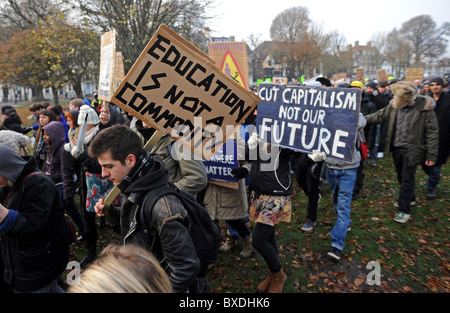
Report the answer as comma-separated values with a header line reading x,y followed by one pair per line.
x,y
358,282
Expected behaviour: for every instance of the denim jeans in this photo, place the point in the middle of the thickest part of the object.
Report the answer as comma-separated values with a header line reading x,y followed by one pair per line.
x,y
434,175
341,184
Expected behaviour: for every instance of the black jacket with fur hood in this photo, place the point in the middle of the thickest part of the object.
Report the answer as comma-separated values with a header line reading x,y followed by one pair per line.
x,y
423,133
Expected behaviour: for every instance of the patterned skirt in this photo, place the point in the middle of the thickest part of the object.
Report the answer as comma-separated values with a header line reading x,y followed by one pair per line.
x,y
270,210
98,187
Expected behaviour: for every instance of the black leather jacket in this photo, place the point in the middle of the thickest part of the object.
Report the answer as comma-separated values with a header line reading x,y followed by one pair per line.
x,y
168,237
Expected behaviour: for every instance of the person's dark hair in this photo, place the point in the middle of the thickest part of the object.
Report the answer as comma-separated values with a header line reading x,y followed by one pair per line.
x,y
51,114
120,140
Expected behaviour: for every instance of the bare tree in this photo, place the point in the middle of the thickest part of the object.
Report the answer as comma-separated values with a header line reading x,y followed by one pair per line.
x,y
397,52
288,26
336,43
18,15
426,39
298,43
135,21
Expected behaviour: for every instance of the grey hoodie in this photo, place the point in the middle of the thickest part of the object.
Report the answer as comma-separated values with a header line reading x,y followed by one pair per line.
x,y
343,165
11,164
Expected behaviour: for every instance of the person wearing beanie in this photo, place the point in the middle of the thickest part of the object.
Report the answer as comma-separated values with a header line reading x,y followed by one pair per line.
x,y
412,137
34,233
12,121
442,111
91,184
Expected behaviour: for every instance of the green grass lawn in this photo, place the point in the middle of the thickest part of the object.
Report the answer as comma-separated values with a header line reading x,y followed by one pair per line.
x,y
413,257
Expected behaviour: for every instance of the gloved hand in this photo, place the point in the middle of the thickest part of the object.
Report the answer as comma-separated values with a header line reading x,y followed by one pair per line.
x,y
253,141
317,156
76,152
26,130
68,147
239,172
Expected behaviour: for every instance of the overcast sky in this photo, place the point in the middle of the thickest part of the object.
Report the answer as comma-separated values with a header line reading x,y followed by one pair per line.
x,y
357,20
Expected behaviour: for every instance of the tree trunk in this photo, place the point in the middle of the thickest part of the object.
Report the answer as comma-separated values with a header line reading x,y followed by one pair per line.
x,y
77,88
38,95
55,96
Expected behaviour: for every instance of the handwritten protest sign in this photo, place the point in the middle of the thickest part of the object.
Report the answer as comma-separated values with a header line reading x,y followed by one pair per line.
x,y
177,89
232,58
306,119
360,74
412,74
218,168
107,60
382,76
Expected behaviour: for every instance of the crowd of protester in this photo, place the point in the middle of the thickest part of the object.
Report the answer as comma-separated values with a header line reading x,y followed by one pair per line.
x,y
85,150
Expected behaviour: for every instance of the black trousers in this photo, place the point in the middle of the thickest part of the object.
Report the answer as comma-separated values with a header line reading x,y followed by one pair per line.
x,y
265,243
406,176
308,179
91,232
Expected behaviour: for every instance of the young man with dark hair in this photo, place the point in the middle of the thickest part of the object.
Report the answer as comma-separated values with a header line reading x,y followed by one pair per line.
x,y
136,172
442,111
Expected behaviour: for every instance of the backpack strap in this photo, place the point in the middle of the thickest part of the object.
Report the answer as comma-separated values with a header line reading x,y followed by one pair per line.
x,y
20,182
149,201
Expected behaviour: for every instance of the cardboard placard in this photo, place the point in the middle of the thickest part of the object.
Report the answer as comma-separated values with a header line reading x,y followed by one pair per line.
x,y
360,74
177,89
305,118
413,74
382,76
107,60
232,59
119,71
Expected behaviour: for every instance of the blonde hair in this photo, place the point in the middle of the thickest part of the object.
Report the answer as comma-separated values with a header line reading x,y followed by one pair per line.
x,y
123,269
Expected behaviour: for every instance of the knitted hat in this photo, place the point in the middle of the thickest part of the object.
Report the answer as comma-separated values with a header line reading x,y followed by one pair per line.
x,y
438,80
11,112
372,84
404,93
6,108
88,115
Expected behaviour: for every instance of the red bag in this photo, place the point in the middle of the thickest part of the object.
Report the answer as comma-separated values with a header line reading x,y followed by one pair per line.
x,y
364,149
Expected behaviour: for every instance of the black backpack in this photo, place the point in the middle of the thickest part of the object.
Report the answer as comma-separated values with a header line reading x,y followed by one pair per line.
x,y
206,234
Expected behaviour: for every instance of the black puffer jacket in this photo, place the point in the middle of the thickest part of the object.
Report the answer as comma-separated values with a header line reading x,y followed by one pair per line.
x,y
35,249
171,243
271,173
